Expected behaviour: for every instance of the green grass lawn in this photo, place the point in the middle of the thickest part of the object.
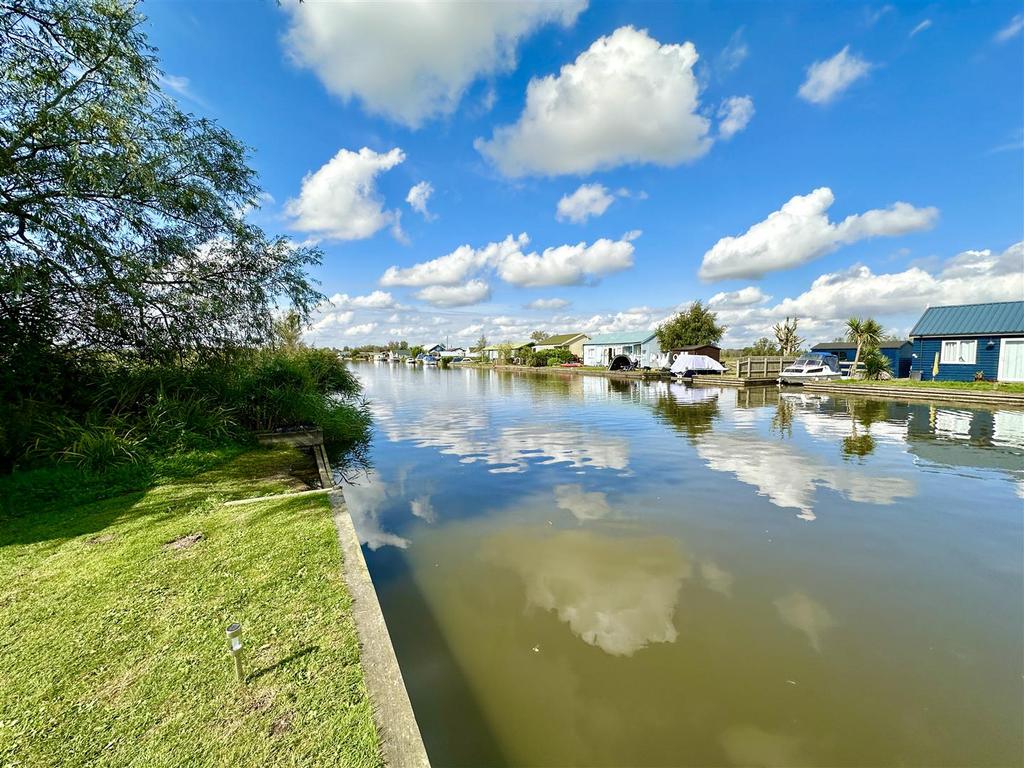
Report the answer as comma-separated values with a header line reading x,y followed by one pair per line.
x,y
113,642
966,386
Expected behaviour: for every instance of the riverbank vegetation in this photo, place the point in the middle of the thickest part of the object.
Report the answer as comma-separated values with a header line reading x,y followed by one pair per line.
x,y
114,608
962,386
138,305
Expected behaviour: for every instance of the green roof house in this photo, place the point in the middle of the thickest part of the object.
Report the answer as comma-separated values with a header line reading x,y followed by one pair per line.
x,y
571,341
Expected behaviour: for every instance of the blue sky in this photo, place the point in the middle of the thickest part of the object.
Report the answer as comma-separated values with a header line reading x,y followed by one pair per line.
x,y
775,159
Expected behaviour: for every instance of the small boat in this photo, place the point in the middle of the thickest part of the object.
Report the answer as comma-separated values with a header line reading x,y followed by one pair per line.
x,y
686,366
814,366
410,360
431,360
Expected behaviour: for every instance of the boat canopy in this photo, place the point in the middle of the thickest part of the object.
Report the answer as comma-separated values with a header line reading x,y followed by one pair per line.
x,y
814,360
685,363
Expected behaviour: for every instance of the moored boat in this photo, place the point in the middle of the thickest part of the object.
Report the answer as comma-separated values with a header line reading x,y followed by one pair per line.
x,y
811,367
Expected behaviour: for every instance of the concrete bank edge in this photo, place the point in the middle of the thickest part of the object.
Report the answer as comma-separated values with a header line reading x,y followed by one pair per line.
x,y
401,741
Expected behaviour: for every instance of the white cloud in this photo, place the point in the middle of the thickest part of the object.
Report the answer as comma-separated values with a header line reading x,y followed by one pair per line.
x,y
801,231
970,277
921,27
1011,30
360,330
472,292
418,197
562,265
588,200
455,267
734,114
744,297
734,53
372,300
412,61
567,264
627,99
548,304
340,201
827,79
180,85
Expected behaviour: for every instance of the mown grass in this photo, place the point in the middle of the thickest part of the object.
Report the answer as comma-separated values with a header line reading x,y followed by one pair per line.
x,y
966,386
113,643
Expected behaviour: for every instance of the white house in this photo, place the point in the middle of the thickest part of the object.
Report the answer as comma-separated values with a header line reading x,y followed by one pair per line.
x,y
640,346
453,352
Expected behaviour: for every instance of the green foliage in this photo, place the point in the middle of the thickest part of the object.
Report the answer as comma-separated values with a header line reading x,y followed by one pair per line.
x,y
288,330
113,414
121,217
416,351
545,357
865,333
875,365
505,353
480,343
696,325
763,347
538,336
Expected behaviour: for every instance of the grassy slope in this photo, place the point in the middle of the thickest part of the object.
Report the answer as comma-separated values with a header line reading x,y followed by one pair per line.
x,y
113,645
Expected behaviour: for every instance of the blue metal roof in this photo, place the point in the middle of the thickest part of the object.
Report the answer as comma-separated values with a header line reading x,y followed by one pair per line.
x,y
972,319
627,337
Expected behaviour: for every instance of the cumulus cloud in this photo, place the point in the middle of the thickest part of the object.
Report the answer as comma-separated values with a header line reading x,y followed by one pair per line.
x,y
627,99
567,264
548,304
562,265
360,330
744,297
828,78
733,115
588,200
801,231
340,201
373,300
418,197
1011,30
973,276
455,267
472,292
413,61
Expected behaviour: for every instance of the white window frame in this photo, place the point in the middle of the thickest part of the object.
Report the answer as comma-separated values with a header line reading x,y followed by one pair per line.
x,y
959,352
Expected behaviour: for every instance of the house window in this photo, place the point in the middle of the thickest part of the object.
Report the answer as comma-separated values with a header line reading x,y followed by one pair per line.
x,y
958,352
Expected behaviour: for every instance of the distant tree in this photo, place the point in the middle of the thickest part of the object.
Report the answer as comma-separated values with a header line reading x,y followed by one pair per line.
x,y
505,352
864,332
122,217
416,351
288,330
480,343
786,337
763,347
538,336
695,325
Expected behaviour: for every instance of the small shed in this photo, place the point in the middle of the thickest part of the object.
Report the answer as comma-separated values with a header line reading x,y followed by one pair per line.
x,y
571,341
708,350
899,354
640,346
954,343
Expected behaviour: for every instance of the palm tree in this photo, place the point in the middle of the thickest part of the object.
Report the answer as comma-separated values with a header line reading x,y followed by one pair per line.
x,y
864,332
785,335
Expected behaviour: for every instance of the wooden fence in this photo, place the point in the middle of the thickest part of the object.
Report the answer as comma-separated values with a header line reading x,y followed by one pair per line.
x,y
760,367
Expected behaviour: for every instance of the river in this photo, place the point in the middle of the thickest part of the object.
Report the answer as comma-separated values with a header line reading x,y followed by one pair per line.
x,y
577,570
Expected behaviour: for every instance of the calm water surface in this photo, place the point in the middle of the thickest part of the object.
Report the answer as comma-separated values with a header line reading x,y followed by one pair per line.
x,y
581,571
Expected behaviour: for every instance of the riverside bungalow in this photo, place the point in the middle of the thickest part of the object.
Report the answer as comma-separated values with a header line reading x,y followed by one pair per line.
x,y
956,342
899,354
493,352
639,346
571,341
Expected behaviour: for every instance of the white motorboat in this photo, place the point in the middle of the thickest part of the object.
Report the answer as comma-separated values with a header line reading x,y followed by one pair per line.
x,y
814,366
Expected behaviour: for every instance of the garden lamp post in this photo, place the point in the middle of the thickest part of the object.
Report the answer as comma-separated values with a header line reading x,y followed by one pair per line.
x,y
234,633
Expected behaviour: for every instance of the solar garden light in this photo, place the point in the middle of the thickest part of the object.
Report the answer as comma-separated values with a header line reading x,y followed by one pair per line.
x,y
234,633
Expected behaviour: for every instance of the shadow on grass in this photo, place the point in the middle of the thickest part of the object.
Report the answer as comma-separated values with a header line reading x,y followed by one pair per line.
x,y
283,662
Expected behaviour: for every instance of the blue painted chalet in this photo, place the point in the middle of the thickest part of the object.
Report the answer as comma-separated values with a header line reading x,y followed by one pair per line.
x,y
899,354
954,343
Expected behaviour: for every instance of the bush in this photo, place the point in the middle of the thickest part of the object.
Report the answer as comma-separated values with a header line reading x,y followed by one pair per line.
x,y
119,414
545,357
876,365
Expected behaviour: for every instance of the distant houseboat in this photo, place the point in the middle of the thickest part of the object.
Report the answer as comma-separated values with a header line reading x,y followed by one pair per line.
x,y
956,343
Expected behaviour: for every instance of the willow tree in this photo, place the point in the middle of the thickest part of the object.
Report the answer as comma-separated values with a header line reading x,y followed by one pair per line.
x,y
122,222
